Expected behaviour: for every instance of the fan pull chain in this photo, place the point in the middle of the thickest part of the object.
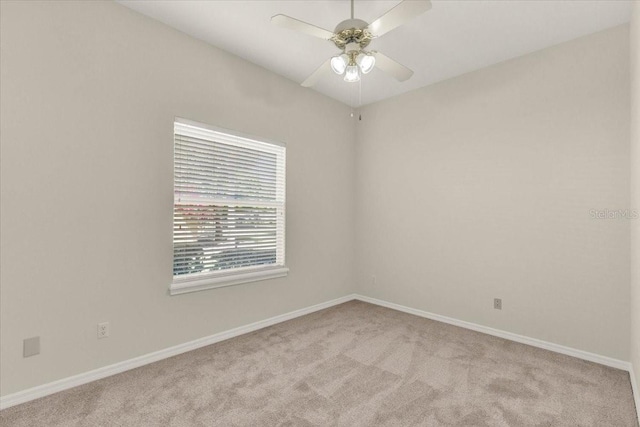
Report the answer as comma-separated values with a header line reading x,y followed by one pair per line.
x,y
351,104
359,98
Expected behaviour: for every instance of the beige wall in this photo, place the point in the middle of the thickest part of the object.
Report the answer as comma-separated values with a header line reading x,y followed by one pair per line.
x,y
481,186
89,94
635,190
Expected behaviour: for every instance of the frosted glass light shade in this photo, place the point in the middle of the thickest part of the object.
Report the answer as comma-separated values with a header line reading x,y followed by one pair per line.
x,y
366,62
352,74
338,64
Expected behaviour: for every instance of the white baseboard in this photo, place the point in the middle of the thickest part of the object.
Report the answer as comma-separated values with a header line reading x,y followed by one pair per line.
x,y
76,380
592,357
636,391
106,371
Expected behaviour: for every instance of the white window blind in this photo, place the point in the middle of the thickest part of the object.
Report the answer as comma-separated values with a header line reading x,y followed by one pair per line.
x,y
229,208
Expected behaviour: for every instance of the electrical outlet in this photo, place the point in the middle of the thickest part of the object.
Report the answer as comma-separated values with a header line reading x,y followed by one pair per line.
x,y
497,303
103,330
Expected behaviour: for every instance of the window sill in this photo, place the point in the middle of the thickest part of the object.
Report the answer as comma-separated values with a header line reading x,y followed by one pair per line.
x,y
184,285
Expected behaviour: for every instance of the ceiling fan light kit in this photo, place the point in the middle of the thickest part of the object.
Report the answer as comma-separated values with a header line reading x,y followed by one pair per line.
x,y
352,36
355,62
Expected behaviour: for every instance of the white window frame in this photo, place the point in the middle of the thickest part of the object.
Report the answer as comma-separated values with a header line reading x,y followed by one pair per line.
x,y
201,281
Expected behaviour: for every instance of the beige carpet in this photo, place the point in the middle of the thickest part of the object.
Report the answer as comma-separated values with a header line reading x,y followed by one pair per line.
x,y
351,365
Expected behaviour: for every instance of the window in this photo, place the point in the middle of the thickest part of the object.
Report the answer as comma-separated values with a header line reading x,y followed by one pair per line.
x,y
228,209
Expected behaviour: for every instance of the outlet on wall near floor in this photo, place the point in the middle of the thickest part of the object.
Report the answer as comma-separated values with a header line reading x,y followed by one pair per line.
x,y
103,330
497,303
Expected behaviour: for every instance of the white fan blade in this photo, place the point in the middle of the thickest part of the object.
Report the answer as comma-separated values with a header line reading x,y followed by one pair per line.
x,y
295,24
391,67
319,72
400,14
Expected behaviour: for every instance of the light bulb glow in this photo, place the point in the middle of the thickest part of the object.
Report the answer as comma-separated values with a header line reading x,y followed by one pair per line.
x,y
366,62
338,64
352,74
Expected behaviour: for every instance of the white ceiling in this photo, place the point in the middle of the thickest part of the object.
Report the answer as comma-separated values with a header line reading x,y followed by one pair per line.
x,y
453,38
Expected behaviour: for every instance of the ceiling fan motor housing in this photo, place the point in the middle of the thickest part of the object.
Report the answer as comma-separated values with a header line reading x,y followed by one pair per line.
x,y
352,31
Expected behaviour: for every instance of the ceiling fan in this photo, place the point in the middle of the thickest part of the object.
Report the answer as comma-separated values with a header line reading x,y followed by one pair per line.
x,y
352,36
